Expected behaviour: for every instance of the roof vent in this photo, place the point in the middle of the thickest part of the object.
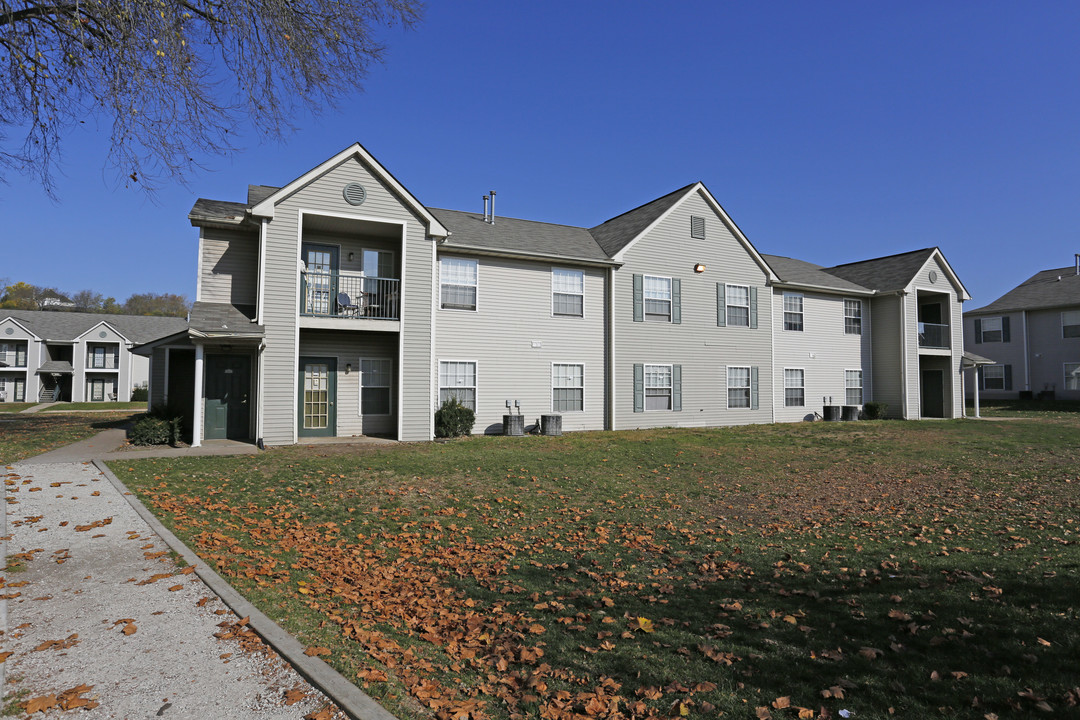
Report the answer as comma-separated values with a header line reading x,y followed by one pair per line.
x,y
354,194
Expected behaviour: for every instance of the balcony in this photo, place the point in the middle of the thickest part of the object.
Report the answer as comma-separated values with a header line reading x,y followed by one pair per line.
x,y
341,295
934,336
100,362
13,359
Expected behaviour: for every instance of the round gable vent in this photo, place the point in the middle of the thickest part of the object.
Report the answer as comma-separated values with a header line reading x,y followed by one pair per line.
x,y
10,331
354,194
933,276
103,334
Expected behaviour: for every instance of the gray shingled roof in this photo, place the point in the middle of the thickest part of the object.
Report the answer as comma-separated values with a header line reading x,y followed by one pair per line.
x,y
217,211
224,319
1041,290
60,367
800,272
513,235
884,274
66,326
258,193
616,233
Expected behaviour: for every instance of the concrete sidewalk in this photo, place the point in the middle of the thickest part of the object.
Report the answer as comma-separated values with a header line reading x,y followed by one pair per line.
x,y
94,598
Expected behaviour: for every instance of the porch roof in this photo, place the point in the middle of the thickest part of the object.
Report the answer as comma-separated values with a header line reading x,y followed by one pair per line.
x,y
56,367
223,320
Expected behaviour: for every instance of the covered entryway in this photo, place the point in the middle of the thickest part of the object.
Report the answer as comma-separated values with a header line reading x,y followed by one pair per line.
x,y
227,397
317,411
932,390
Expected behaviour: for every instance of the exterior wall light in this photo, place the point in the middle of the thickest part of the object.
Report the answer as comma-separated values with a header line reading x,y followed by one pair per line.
x,y
699,268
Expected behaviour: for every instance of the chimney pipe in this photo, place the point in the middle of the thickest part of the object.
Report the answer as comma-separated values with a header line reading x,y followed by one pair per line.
x,y
1077,256
492,207
485,208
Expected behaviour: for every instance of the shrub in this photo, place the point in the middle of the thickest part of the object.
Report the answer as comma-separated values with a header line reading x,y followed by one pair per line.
x,y
453,419
875,410
140,394
162,425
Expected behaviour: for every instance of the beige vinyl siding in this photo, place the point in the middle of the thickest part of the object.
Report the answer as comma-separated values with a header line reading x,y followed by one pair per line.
x,y
822,349
951,364
702,349
887,353
324,195
348,348
229,272
514,311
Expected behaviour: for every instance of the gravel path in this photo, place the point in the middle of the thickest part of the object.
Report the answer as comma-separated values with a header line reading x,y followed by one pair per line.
x,y
97,607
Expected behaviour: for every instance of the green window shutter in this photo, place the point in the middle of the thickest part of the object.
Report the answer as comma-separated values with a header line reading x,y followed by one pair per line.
x,y
721,306
754,388
753,307
639,388
1004,329
676,387
1008,377
676,301
979,373
978,337
639,298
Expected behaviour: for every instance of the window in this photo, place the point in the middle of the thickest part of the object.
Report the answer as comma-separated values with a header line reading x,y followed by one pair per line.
x,y
991,330
738,305
853,317
853,387
458,379
13,354
101,389
375,384
567,387
458,283
993,377
1070,324
657,387
657,299
567,292
793,311
738,387
697,227
1072,376
794,388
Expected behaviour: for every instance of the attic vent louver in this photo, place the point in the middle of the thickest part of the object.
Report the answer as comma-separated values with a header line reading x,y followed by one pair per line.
x,y
354,194
697,227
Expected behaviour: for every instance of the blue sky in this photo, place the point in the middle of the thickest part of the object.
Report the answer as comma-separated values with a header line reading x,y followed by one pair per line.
x,y
831,132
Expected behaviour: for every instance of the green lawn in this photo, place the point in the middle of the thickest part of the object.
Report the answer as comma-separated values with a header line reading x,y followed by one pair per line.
x,y
924,569
22,436
1025,408
81,406
14,407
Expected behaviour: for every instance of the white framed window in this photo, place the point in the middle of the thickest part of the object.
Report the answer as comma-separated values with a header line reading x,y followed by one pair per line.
x,y
567,387
991,330
657,387
793,311
1070,324
853,388
1072,376
376,386
993,377
657,298
567,292
457,378
458,283
738,387
794,387
737,301
852,317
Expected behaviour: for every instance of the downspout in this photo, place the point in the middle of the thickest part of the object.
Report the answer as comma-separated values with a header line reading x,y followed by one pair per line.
x,y
260,366
609,421
772,352
1027,367
433,368
262,275
903,357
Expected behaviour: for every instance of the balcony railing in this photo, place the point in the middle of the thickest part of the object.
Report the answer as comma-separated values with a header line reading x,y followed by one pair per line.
x,y
98,362
934,335
349,295
12,358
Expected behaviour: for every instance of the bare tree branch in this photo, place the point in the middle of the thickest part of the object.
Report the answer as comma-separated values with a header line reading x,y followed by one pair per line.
x,y
175,77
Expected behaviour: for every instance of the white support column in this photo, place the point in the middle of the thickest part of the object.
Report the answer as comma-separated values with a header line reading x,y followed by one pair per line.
x,y
975,383
197,420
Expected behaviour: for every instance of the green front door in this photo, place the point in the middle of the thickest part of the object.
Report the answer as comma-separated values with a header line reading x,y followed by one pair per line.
x,y
318,392
228,390
933,393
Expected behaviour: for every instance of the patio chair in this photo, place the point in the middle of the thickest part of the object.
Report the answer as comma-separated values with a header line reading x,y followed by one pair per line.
x,y
346,305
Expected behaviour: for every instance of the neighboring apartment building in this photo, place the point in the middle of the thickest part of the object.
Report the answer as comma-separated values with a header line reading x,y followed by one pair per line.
x,y
340,305
1032,333
70,356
